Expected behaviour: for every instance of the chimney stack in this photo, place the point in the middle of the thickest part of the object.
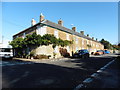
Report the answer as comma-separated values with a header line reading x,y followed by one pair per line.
x,y
60,22
41,17
82,32
96,39
87,35
74,28
33,22
92,38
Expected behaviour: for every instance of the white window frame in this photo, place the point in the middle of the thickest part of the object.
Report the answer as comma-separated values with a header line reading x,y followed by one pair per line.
x,y
82,41
56,49
67,37
91,43
56,33
87,42
16,36
68,48
77,48
41,30
96,45
76,40
24,35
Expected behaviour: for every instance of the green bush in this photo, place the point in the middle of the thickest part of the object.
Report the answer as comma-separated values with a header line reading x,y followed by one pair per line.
x,y
32,53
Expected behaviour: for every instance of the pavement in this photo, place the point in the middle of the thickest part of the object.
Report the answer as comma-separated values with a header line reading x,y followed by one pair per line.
x,y
41,60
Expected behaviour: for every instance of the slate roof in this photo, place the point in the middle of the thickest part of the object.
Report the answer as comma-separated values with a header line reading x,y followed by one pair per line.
x,y
57,26
62,28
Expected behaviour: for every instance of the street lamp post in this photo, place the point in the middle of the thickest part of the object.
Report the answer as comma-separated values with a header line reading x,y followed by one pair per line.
x,y
72,40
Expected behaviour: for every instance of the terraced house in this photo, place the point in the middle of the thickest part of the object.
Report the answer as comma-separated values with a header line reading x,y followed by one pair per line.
x,y
80,41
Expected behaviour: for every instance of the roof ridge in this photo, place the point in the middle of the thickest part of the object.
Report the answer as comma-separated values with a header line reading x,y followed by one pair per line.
x,y
55,25
48,22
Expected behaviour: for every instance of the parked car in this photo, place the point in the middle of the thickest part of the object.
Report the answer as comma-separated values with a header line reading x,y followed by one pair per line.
x,y
99,52
106,51
84,53
6,53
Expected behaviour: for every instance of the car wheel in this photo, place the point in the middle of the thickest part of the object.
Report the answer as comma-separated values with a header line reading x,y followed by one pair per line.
x,y
88,56
83,56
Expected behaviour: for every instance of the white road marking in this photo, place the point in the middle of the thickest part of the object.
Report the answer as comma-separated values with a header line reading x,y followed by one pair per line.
x,y
10,64
102,68
25,74
16,80
79,86
16,63
94,75
99,70
5,62
88,80
108,64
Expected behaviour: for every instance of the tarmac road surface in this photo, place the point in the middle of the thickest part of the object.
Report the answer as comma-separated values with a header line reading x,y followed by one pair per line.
x,y
52,74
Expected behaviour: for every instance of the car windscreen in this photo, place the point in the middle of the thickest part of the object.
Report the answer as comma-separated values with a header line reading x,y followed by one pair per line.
x,y
99,51
81,51
5,50
77,51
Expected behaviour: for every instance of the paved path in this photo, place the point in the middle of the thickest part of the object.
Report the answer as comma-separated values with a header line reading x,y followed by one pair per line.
x,y
12,63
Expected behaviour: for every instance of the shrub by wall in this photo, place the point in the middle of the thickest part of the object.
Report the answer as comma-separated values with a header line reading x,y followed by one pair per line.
x,y
41,57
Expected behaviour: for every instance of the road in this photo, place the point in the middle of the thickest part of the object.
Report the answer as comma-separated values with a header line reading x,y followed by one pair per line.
x,y
53,74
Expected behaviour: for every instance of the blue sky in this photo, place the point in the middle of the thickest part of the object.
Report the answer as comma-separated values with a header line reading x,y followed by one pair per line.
x,y
98,19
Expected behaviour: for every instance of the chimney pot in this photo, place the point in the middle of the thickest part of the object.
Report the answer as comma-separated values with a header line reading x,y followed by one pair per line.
x,y
96,39
33,22
82,32
60,22
41,17
74,28
87,35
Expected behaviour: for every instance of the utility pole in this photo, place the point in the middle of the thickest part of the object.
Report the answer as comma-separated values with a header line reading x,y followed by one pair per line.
x,y
72,40
2,39
1,42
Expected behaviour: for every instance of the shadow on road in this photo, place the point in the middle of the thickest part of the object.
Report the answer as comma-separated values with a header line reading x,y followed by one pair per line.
x,y
92,63
42,75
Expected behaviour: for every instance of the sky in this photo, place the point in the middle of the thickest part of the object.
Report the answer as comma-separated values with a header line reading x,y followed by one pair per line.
x,y
98,19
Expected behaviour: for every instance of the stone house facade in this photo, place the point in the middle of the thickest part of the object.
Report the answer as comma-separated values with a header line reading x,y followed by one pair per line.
x,y
80,41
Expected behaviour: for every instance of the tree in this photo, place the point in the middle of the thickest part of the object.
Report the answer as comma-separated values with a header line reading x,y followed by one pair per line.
x,y
63,43
107,44
116,47
49,39
119,44
32,41
18,45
